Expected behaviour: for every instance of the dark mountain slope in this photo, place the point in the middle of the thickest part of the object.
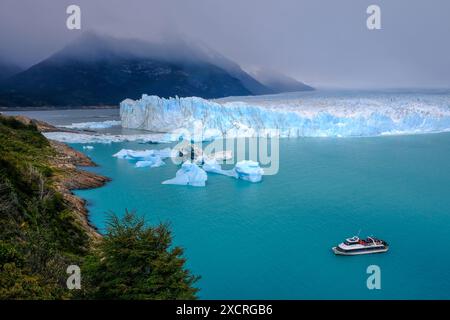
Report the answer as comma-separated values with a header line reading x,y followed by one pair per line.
x,y
104,71
7,70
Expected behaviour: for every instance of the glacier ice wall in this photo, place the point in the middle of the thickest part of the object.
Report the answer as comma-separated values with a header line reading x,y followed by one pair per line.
x,y
293,116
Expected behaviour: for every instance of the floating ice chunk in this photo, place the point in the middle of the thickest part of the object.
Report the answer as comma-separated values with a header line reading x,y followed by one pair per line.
x,y
71,137
93,125
222,155
122,154
165,153
211,165
246,170
249,170
88,147
143,155
189,174
155,161
145,158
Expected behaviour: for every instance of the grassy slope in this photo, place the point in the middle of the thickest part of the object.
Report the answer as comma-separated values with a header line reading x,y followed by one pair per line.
x,y
38,233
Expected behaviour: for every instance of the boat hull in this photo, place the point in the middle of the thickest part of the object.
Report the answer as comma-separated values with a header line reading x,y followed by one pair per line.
x,y
356,253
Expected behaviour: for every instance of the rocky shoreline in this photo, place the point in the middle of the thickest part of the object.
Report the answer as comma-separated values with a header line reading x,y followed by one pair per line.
x,y
71,177
68,175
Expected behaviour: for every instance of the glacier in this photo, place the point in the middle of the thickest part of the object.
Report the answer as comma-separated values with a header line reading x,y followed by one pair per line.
x,y
296,115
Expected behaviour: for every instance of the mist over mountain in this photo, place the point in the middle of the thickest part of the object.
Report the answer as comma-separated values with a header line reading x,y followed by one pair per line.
x,y
278,82
102,70
8,69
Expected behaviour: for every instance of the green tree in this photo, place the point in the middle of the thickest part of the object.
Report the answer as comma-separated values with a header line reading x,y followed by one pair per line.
x,y
136,261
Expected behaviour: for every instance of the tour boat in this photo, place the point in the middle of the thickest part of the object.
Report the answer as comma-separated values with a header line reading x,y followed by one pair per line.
x,y
356,246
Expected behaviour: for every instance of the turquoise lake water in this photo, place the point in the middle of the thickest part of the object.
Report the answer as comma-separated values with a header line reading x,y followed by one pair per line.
x,y
273,240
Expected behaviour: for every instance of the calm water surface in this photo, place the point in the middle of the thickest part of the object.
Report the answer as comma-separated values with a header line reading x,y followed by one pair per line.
x,y
273,240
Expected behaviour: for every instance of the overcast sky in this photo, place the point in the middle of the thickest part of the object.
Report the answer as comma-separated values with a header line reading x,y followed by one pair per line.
x,y
320,42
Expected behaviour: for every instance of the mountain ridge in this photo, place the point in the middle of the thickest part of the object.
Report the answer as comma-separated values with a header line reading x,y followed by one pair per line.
x,y
102,70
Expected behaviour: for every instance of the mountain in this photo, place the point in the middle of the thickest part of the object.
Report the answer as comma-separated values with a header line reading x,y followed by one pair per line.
x,y
7,70
278,82
204,53
101,70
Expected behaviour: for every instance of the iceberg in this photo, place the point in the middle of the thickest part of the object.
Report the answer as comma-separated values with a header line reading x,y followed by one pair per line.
x,y
192,173
143,155
328,114
222,155
189,174
245,170
249,170
145,158
154,162
212,166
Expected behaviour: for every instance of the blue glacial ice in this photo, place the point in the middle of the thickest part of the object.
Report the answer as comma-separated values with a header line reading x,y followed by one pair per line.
x,y
189,174
305,115
249,170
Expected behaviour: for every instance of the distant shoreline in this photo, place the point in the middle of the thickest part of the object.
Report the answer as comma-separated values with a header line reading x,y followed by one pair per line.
x,y
50,108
